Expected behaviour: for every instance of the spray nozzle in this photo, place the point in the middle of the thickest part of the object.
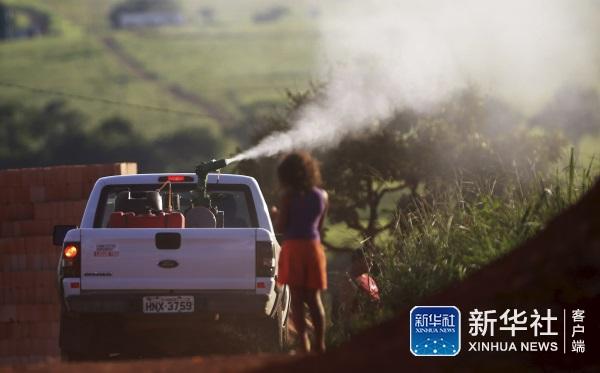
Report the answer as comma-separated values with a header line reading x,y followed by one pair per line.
x,y
213,165
202,170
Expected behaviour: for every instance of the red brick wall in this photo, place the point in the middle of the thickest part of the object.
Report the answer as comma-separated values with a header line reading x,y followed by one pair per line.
x,y
32,201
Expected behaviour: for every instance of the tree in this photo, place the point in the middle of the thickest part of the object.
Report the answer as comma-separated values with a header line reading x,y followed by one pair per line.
x,y
263,170
364,169
57,134
372,176
182,150
574,111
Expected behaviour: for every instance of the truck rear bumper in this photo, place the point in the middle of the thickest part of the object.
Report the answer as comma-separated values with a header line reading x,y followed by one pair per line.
x,y
237,303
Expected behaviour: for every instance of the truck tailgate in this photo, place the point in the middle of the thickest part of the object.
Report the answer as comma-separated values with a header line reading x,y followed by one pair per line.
x,y
130,258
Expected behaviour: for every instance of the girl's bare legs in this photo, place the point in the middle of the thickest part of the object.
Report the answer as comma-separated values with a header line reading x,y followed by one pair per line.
x,y
317,314
298,299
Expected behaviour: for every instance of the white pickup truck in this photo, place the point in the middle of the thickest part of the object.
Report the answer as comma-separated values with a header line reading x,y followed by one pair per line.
x,y
141,254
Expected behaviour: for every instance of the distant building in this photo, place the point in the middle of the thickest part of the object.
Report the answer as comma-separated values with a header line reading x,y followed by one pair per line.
x,y
38,22
148,19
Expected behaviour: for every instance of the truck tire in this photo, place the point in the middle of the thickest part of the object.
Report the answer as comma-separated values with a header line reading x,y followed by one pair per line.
x,y
71,338
78,338
272,333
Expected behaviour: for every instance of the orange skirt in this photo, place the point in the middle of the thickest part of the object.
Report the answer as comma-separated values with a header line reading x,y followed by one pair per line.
x,y
302,263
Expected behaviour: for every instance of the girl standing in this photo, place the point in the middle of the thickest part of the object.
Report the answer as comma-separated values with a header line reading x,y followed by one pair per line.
x,y
302,263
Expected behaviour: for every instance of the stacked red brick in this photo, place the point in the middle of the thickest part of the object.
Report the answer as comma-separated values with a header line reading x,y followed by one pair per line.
x,y
32,201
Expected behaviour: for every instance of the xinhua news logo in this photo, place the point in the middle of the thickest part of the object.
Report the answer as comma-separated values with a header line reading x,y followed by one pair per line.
x,y
435,331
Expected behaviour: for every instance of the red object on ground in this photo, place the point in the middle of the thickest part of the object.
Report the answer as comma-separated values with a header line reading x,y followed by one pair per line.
x,y
121,219
367,284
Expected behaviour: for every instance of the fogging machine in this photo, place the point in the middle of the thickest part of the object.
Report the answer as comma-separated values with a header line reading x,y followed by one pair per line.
x,y
202,170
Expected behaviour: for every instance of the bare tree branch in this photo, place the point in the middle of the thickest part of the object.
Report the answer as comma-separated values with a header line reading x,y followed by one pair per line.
x,y
392,189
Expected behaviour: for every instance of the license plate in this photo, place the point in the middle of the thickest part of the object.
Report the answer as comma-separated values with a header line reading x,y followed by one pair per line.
x,y
168,304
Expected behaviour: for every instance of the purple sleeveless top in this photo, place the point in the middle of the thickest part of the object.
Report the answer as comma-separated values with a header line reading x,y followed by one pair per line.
x,y
305,212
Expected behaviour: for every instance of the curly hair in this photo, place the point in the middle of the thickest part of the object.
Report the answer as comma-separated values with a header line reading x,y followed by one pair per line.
x,y
298,171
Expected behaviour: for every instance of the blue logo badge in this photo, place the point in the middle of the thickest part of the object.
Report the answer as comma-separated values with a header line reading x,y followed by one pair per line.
x,y
435,331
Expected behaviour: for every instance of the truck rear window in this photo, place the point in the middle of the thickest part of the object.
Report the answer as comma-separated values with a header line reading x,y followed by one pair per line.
x,y
234,200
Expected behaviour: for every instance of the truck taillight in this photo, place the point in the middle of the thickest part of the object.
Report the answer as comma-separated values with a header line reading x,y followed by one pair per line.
x,y
71,260
70,251
265,259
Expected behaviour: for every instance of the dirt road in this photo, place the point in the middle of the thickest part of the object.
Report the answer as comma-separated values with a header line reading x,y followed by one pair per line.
x,y
238,363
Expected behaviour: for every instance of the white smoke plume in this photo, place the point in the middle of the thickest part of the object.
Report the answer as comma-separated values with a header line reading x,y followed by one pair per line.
x,y
379,57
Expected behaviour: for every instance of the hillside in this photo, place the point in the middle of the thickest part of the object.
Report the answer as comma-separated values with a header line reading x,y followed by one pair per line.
x,y
216,68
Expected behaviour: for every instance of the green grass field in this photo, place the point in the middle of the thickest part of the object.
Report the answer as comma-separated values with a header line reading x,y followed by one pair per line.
x,y
231,64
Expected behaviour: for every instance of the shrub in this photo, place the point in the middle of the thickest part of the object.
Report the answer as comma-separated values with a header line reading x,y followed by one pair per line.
x,y
443,239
